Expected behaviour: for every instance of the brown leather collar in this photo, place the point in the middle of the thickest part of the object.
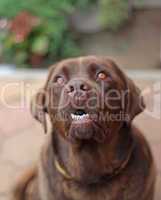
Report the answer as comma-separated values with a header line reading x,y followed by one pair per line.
x,y
61,169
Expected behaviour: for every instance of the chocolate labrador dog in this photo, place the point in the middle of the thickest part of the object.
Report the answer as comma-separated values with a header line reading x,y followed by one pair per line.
x,y
93,152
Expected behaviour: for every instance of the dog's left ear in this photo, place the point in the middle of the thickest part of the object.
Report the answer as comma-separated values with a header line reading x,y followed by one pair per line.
x,y
39,108
135,102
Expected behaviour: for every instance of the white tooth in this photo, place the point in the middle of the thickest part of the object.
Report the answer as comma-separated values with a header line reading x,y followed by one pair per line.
x,y
74,117
79,117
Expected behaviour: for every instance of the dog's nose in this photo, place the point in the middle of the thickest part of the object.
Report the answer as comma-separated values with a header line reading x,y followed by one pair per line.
x,y
78,86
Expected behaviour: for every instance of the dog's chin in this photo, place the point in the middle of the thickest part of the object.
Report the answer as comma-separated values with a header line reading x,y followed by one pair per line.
x,y
82,125
79,131
87,131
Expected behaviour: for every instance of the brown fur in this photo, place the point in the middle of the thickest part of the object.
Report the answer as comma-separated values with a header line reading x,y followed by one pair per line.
x,y
23,183
93,165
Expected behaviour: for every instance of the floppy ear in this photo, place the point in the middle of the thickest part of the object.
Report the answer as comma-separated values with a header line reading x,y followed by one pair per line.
x,y
135,102
39,109
39,103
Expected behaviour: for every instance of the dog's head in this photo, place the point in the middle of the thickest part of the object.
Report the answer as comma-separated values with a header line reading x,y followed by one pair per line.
x,y
87,98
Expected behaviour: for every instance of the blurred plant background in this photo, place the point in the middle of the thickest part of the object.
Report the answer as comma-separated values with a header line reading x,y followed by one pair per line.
x,y
38,32
114,13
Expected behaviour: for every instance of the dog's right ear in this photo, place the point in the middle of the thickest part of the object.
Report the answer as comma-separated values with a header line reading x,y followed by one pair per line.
x,y
39,109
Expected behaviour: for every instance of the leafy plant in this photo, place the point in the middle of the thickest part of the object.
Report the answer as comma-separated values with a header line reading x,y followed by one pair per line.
x,y
50,40
38,32
48,9
114,13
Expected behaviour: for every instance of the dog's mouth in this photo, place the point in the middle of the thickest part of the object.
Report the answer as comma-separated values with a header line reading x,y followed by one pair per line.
x,y
80,116
83,124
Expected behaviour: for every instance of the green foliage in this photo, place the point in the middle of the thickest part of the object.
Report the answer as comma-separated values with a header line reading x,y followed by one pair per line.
x,y
51,39
114,13
48,9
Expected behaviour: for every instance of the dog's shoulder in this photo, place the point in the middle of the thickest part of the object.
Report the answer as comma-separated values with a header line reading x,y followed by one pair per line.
x,y
142,168
24,188
141,145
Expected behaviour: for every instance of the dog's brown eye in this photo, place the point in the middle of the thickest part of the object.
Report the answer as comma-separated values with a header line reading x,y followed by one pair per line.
x,y
102,76
60,80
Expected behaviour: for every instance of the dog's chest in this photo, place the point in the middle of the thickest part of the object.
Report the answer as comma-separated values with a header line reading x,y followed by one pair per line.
x,y
121,189
74,192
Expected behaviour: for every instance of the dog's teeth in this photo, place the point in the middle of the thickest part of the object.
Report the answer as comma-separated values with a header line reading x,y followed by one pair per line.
x,y
72,116
79,117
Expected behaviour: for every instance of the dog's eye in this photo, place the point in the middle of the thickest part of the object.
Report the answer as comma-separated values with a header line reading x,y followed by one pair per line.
x,y
102,75
60,80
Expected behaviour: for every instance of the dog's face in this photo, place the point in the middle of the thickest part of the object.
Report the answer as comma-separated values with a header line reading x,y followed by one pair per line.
x,y
87,98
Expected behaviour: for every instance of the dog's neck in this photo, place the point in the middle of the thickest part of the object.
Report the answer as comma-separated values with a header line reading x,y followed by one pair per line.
x,y
89,161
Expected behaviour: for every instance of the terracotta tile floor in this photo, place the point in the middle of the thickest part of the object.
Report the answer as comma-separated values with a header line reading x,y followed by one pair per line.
x,y
21,137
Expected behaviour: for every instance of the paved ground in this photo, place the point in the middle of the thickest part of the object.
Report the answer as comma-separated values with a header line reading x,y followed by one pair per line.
x,y
21,136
